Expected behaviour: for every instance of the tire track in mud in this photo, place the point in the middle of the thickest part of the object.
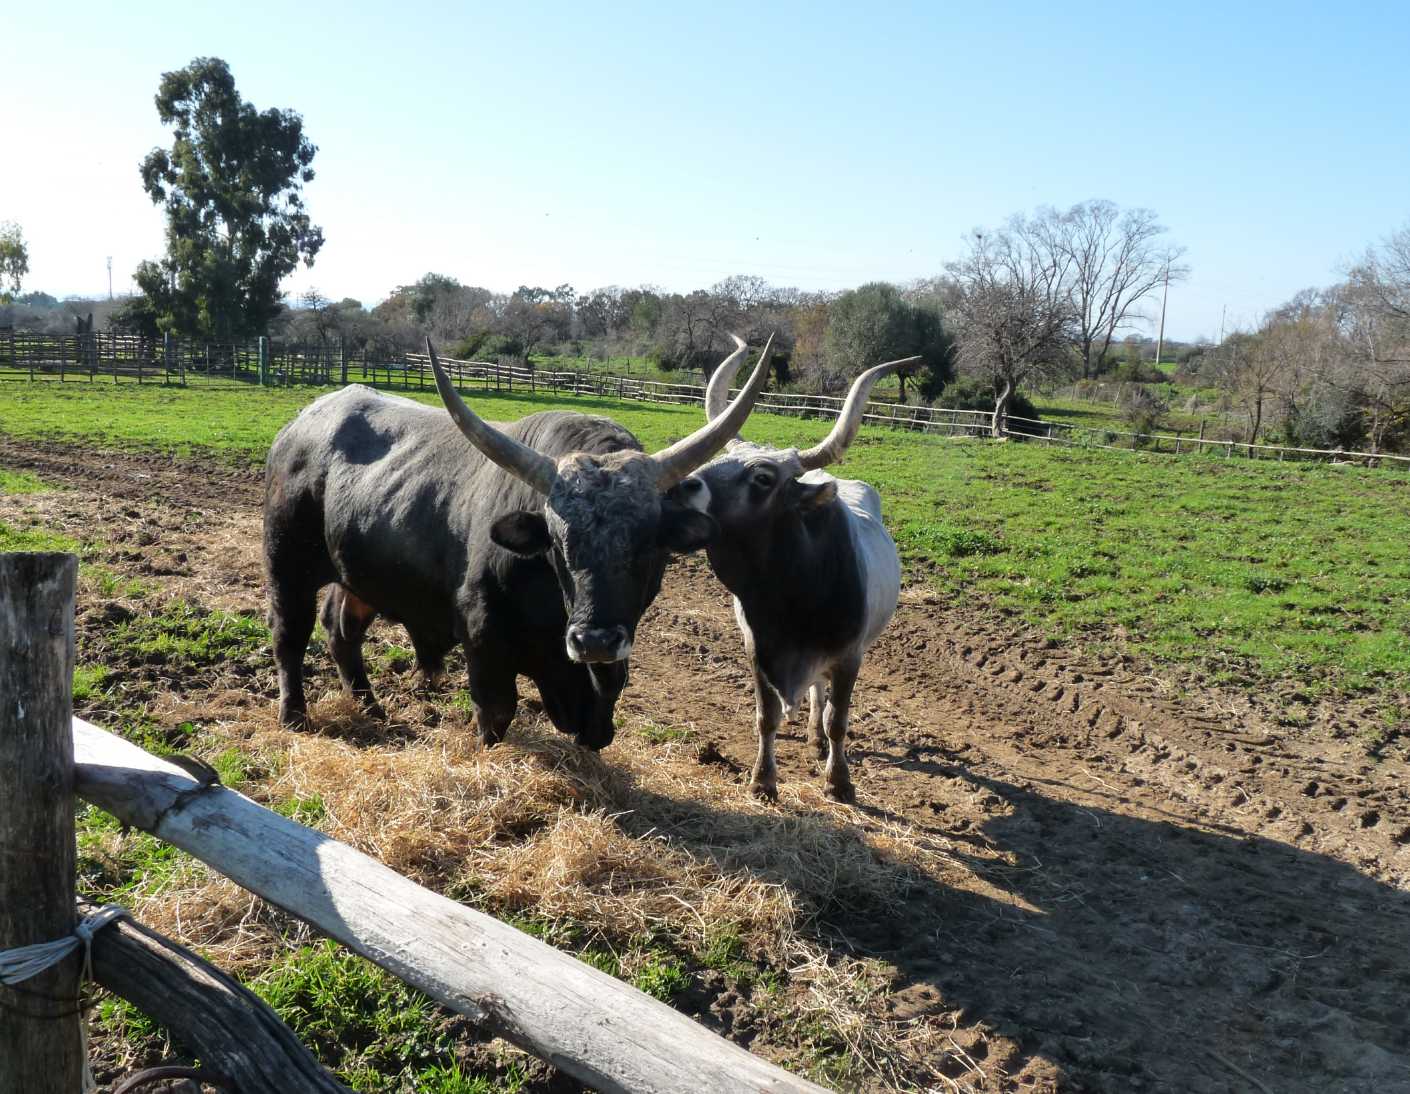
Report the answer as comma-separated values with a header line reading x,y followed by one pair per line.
x,y
1162,900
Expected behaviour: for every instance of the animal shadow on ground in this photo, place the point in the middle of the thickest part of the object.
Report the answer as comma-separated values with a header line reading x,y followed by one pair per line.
x,y
1135,954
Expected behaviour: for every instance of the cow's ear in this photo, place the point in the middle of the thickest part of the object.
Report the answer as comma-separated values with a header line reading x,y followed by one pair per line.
x,y
523,533
684,529
814,495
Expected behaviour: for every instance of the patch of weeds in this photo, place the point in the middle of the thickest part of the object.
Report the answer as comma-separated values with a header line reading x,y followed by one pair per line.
x,y
233,766
662,976
136,725
830,1060
120,1018
659,734
309,811
937,539
1264,583
35,539
371,1029
601,959
187,634
450,1079
114,863
88,682
115,586
22,482
397,658
724,952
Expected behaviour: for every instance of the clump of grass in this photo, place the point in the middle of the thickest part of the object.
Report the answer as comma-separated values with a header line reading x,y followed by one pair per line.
x,y
186,634
374,1031
659,734
22,482
34,539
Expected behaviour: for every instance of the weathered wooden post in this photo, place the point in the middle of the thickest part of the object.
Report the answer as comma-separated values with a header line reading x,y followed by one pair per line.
x,y
41,1045
263,360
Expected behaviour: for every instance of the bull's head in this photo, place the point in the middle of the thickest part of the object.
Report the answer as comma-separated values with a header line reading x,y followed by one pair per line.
x,y
750,484
605,525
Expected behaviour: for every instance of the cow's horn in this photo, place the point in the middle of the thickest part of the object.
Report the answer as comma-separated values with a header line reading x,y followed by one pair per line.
x,y
683,457
850,420
517,458
717,391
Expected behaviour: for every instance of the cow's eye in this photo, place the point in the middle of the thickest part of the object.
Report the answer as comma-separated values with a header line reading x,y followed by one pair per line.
x,y
763,478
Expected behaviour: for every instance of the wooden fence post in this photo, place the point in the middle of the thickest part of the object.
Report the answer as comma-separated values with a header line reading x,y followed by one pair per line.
x,y
41,1046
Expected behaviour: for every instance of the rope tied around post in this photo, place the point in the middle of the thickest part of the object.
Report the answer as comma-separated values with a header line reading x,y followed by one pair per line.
x,y
26,962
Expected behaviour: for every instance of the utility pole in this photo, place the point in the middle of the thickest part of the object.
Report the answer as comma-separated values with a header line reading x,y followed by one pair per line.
x,y
1222,312
110,277
1160,340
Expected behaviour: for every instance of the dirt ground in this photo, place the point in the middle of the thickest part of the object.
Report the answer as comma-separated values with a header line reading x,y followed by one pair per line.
x,y
1151,885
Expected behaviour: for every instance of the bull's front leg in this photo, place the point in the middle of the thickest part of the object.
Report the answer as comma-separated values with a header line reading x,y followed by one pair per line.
x,y
837,781
768,713
493,693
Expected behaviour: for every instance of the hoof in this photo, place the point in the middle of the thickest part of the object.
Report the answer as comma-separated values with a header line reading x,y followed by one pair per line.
x,y
820,749
765,792
846,794
374,709
291,717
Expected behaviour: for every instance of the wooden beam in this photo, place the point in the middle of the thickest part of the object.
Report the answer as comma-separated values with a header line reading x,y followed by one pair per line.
x,y
41,1046
234,1032
596,1028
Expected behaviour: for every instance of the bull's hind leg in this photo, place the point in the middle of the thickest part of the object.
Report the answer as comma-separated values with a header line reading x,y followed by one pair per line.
x,y
837,782
346,619
768,713
291,612
817,699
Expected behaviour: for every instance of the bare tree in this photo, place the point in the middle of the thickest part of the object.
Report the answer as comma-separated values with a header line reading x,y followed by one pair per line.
x,y
1013,318
1109,261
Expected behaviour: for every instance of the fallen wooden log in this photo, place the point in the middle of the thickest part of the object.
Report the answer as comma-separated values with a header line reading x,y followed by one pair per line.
x,y
235,1034
582,1021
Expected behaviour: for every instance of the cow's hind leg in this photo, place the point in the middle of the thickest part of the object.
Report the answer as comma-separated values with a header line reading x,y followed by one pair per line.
x,y
346,619
837,782
768,713
817,699
494,694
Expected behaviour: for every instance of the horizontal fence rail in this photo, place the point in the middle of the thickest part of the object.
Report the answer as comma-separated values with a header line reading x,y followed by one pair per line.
x,y
600,1030
123,357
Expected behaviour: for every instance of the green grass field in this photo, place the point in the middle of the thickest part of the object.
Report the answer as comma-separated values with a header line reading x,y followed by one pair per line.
x,y
1252,571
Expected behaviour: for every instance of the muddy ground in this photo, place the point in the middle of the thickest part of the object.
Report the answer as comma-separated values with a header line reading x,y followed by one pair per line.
x,y
1156,886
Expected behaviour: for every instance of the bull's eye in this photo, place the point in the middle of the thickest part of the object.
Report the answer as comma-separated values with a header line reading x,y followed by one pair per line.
x,y
692,486
763,478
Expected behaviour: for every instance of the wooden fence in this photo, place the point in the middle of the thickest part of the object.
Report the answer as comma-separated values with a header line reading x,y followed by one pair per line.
x,y
1181,443
272,362
598,1029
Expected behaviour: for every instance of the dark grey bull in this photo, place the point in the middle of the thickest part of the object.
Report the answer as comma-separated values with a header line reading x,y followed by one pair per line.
x,y
814,573
536,545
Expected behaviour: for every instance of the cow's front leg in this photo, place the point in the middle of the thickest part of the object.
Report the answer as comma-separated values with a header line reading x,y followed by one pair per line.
x,y
837,782
768,713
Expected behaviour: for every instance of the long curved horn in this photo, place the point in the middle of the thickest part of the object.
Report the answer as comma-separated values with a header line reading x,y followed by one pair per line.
x,y
850,420
521,461
683,457
717,390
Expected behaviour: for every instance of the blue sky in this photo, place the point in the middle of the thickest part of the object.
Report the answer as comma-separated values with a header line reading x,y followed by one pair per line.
x,y
820,145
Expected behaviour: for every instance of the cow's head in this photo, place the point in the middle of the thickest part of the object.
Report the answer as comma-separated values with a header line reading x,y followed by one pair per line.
x,y
606,525
749,486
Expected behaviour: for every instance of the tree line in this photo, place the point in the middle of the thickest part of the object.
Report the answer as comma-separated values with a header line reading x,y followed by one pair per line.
x,y
1041,298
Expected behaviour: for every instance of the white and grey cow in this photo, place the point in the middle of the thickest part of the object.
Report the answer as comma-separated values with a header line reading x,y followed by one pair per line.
x,y
814,573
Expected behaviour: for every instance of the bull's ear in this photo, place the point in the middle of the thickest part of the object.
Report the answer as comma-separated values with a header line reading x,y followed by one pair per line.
x,y
814,495
684,529
523,533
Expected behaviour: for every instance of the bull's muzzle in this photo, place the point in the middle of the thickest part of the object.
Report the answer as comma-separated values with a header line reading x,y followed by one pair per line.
x,y
597,645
